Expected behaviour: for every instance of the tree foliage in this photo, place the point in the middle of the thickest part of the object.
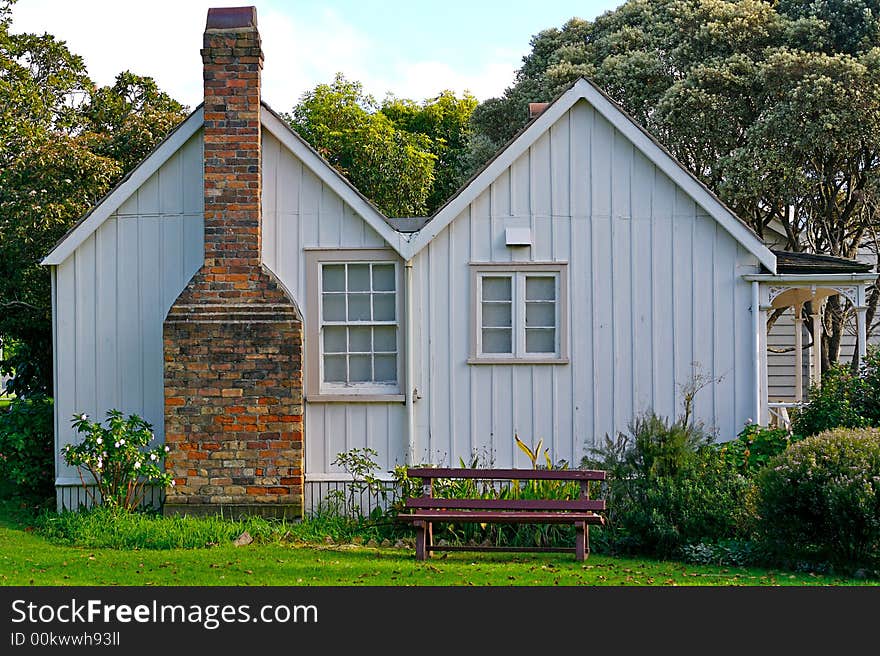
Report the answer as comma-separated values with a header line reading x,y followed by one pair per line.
x,y
775,106
63,144
406,157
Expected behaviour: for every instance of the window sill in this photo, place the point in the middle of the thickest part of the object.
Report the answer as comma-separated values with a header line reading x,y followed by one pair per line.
x,y
473,360
356,398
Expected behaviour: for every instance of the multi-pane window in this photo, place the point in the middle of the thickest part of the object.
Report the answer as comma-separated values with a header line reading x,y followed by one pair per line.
x,y
359,325
518,315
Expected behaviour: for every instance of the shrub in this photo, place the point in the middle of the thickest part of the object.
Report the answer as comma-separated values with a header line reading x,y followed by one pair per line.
x,y
821,498
669,487
754,447
27,445
118,458
830,406
844,400
869,391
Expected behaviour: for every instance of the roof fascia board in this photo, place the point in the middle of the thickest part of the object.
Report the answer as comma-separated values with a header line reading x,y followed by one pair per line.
x,y
92,221
331,177
808,278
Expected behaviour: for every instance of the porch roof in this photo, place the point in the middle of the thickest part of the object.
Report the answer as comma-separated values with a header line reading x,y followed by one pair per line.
x,y
811,263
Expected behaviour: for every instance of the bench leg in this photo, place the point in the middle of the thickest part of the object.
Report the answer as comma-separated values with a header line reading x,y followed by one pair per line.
x,y
582,541
429,539
420,540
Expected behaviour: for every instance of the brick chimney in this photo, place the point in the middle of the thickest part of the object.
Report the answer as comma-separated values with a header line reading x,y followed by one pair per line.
x,y
233,338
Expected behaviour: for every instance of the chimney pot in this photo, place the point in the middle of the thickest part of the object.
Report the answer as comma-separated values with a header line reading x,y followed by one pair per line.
x,y
230,18
537,108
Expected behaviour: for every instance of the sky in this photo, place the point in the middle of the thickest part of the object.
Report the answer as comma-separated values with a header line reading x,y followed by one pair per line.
x,y
412,49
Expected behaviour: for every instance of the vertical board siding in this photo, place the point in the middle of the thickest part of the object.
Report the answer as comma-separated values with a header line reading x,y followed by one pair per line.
x,y
655,299
112,295
653,287
300,212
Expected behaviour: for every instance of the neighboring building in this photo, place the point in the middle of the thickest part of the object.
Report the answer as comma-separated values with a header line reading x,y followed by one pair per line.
x,y
242,296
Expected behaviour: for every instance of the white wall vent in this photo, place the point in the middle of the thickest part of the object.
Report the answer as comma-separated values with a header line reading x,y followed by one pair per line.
x,y
518,236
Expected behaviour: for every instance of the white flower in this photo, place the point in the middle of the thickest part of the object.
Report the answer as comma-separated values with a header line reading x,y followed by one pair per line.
x,y
100,440
137,465
83,417
167,449
173,482
116,444
122,442
153,456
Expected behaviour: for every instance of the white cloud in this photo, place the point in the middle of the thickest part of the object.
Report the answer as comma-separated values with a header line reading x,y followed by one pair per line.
x,y
162,39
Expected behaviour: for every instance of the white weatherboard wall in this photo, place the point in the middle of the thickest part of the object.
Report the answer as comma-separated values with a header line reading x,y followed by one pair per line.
x,y
654,286
112,294
300,212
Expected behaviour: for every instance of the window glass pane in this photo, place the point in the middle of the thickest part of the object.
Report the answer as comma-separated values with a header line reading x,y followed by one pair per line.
x,y
384,338
496,288
540,288
360,369
540,340
334,369
358,307
496,314
383,307
497,340
334,307
359,339
541,314
358,277
383,278
334,339
334,277
386,368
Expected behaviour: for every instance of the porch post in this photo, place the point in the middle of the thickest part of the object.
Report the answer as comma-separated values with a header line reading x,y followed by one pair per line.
x,y
798,353
759,326
861,323
817,344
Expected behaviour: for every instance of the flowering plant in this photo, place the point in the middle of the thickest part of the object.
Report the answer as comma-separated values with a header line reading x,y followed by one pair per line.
x,y
118,457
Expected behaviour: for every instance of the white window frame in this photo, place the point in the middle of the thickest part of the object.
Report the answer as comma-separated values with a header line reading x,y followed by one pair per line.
x,y
316,388
519,272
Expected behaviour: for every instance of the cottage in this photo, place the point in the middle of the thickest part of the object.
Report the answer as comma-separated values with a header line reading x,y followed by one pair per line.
x,y
264,316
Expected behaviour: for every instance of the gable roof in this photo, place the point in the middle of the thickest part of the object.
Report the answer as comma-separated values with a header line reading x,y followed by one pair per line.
x,y
409,236
276,126
582,89
123,190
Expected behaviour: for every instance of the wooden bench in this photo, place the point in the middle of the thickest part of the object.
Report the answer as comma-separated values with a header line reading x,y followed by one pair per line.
x,y
423,511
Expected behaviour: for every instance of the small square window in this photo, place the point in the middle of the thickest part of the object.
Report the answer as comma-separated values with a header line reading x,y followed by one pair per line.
x,y
519,314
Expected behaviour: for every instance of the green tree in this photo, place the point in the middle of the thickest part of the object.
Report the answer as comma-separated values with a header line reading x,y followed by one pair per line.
x,y
406,157
445,119
392,167
126,120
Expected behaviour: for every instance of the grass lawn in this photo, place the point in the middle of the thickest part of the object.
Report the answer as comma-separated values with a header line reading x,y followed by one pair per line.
x,y
27,558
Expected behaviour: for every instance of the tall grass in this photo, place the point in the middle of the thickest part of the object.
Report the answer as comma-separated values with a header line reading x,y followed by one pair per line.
x,y
102,527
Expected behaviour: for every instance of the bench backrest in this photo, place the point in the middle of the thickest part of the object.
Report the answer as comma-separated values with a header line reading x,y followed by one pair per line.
x,y
508,474
582,503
